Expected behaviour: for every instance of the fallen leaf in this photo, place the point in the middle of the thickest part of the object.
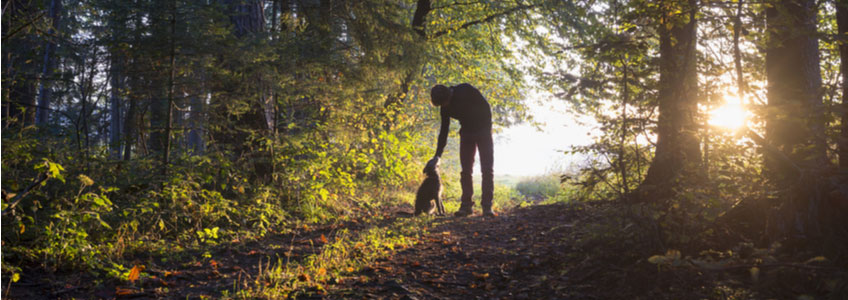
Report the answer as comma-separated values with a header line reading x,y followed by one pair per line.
x,y
303,277
213,263
123,291
480,275
323,238
321,271
134,272
169,273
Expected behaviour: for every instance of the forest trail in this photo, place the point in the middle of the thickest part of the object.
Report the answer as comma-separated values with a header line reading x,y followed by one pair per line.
x,y
514,255
554,251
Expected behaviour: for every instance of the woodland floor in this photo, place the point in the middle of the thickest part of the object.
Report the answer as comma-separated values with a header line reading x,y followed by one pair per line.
x,y
534,252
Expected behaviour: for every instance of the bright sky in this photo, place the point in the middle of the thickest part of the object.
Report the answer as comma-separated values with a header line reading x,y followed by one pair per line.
x,y
523,150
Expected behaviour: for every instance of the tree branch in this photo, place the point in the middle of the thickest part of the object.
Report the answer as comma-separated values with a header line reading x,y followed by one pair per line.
x,y
484,20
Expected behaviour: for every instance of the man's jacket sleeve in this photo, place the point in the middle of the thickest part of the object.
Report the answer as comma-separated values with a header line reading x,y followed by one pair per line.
x,y
443,134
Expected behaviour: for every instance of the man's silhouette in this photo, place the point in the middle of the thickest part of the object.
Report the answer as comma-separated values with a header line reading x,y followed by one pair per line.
x,y
465,103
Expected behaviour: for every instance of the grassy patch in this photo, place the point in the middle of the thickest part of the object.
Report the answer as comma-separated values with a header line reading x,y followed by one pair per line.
x,y
344,253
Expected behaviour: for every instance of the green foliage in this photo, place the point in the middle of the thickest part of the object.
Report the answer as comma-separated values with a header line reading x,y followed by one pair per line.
x,y
539,187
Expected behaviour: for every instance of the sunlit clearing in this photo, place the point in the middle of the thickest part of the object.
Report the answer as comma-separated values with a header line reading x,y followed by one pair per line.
x,y
731,115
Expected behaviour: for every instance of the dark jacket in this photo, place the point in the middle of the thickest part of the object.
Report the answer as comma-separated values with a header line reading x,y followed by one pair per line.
x,y
470,108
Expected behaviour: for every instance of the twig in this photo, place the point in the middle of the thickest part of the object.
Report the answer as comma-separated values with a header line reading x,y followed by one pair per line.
x,y
20,196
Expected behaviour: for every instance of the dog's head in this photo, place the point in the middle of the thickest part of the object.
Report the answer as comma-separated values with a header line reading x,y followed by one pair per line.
x,y
432,170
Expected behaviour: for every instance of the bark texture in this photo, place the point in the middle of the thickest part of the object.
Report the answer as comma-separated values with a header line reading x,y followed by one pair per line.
x,y
678,153
795,115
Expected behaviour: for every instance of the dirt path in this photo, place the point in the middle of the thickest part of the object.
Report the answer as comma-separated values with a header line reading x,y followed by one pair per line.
x,y
510,256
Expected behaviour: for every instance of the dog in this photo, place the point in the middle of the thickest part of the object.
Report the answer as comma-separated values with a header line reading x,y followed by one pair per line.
x,y
429,196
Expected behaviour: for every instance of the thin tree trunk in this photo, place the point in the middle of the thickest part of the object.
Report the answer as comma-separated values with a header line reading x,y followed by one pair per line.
x,y
131,125
622,164
116,105
195,134
166,155
737,53
842,24
45,92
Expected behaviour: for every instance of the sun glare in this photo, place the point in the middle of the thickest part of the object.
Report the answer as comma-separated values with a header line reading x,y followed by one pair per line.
x,y
731,115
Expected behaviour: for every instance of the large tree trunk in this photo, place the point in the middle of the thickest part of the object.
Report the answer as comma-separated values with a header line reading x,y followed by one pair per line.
x,y
842,23
795,118
247,18
159,85
678,155
795,121
45,91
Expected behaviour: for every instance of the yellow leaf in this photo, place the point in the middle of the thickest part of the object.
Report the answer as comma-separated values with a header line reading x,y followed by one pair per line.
x,y
86,181
321,271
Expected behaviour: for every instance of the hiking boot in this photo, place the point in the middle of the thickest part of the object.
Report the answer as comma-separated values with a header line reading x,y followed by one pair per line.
x,y
463,212
488,212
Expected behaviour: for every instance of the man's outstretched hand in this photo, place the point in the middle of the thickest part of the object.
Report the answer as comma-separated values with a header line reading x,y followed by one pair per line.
x,y
431,165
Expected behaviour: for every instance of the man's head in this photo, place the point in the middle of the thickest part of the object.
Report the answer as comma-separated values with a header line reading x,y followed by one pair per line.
x,y
440,95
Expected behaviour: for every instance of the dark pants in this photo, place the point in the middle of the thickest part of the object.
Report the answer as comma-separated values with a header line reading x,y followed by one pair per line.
x,y
470,142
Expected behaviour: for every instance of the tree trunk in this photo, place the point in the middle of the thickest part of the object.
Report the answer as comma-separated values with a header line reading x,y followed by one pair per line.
x,y
795,122
842,23
737,53
622,150
116,105
131,124
678,155
19,69
795,118
159,82
248,18
44,91
195,134
166,153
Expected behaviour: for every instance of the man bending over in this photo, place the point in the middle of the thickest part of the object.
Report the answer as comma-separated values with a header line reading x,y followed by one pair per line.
x,y
465,103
